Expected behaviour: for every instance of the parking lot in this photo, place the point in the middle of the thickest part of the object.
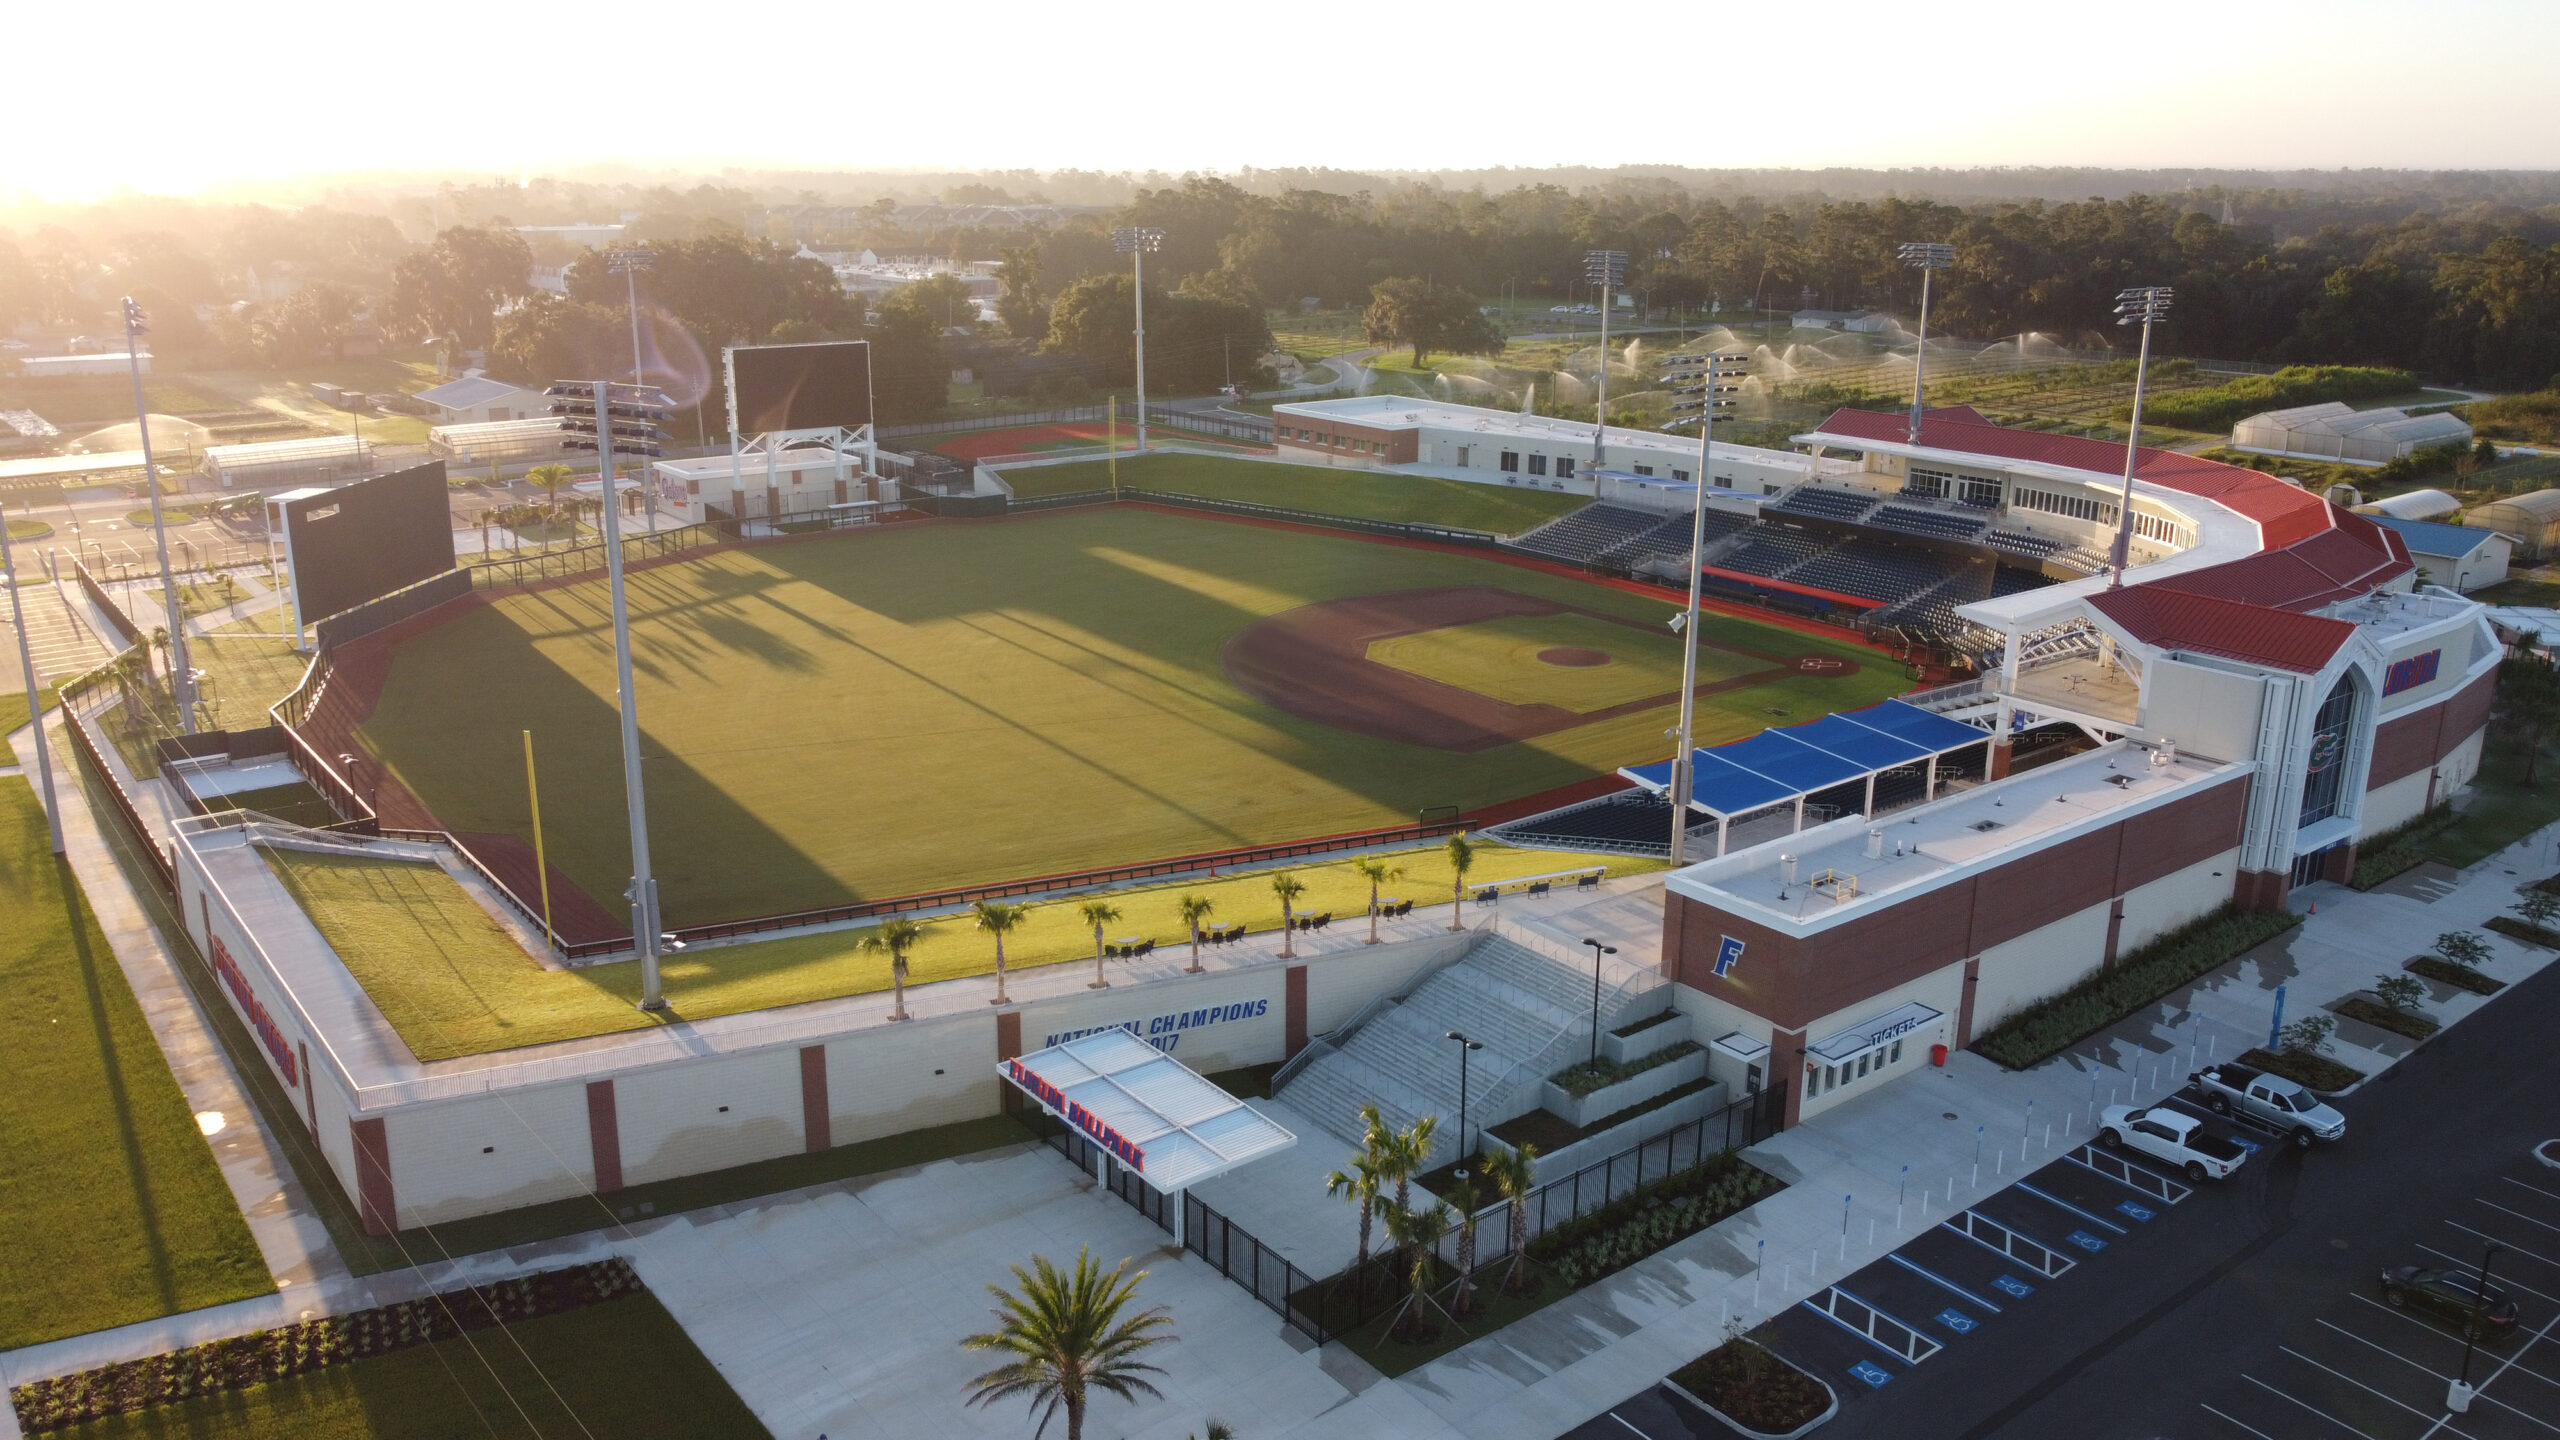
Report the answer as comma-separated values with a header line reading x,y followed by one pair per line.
x,y
2108,1296
2356,1366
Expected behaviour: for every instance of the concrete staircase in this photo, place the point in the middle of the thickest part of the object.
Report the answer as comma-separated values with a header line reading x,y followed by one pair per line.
x,y
1529,1008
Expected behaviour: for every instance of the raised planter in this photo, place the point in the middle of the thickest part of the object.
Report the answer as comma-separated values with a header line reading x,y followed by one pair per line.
x,y
1631,1043
1830,1396
2445,972
1601,1144
1636,1089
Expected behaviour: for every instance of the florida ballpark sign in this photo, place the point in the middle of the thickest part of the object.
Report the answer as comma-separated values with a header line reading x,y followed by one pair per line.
x,y
1052,1099
260,1022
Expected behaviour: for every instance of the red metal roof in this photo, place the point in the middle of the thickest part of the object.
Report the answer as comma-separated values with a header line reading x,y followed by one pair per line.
x,y
2311,553
2182,620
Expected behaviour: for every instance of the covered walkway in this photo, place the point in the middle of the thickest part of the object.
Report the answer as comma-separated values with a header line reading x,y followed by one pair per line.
x,y
1890,754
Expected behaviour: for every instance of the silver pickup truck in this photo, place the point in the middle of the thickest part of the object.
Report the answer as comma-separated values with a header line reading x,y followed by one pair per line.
x,y
2271,1100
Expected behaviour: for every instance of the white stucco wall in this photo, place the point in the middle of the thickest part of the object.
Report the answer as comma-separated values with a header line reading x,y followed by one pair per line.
x,y
2022,971
471,1157
2175,899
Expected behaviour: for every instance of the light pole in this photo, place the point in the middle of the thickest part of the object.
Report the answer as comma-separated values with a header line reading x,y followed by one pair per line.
x,y
1923,256
2457,1396
182,679
597,416
2145,305
35,696
1703,400
1608,270
1137,244
1597,950
1465,1151
627,262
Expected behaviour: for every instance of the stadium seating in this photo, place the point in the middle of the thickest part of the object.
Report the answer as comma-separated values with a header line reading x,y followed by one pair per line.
x,y
1771,550
1874,571
1636,821
1934,523
2009,580
1824,502
1581,537
2019,542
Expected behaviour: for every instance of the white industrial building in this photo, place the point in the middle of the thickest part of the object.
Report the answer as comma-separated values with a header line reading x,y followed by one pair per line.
x,y
1504,447
482,400
56,367
2338,432
2457,557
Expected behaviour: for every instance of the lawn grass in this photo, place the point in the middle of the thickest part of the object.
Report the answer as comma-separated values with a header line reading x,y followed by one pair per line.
x,y
452,982
2501,808
876,714
111,1207
14,712
1318,490
245,670
624,1368
1500,658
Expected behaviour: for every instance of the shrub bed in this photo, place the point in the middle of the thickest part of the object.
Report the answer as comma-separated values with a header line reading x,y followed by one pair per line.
x,y
2445,972
237,1363
1641,1222
1590,1075
1748,1383
1663,1017
2400,849
2045,1028
2398,1022
2314,1072
2524,930
1551,1132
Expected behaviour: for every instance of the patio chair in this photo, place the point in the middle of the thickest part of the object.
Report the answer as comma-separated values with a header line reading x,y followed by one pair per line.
x,y
1588,882
1488,895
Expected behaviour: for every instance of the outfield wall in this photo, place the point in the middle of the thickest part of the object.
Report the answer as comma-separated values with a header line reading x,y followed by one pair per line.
x,y
415,1144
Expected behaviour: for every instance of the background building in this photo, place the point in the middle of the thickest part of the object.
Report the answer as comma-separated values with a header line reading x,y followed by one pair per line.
x,y
2457,557
2339,432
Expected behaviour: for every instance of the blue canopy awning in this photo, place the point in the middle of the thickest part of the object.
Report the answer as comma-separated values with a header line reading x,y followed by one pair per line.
x,y
1780,765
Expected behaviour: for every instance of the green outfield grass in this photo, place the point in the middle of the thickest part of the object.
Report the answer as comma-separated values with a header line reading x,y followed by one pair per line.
x,y
452,982
1500,658
1359,494
623,1369
880,714
111,1207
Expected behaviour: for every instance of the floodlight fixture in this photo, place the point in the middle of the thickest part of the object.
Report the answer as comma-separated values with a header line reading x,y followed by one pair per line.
x,y
182,685
1926,255
1137,240
2144,305
1606,269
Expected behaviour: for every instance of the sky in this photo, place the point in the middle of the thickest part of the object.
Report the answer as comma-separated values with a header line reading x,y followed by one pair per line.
x,y
259,90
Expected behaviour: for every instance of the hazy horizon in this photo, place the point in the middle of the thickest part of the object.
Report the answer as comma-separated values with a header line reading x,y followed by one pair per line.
x,y
287,99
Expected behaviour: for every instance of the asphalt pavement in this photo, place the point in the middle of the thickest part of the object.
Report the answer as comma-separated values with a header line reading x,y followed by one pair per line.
x,y
2104,1296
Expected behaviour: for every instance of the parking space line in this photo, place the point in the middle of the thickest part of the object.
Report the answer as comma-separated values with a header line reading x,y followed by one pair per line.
x,y
2503,1367
2449,1337
2503,1210
2504,1244
2536,1189
2503,1280
1630,1424
2053,1265
2067,1205
2151,1182
2440,1375
1915,1347
1942,1282
2350,1379
2307,1405
2243,1424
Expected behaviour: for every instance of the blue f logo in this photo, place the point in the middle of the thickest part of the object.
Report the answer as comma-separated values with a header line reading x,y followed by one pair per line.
x,y
1728,955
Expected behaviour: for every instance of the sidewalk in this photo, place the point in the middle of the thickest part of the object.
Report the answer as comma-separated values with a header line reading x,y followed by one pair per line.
x,y
1577,1358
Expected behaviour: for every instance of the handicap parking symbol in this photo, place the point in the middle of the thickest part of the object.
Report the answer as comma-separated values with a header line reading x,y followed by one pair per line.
x,y
2138,1212
2087,1241
2245,1143
1873,1374
1958,1321
2013,1287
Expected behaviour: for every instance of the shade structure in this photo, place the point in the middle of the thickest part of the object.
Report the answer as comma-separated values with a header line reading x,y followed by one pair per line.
x,y
1152,1113
1776,766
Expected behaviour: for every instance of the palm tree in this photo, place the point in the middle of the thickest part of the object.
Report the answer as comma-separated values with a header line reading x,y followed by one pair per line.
x,y
1195,908
895,938
1464,1200
1098,913
996,917
1288,887
550,478
1068,1339
1415,1233
1462,858
1377,872
1513,1174
1360,1185
1407,1153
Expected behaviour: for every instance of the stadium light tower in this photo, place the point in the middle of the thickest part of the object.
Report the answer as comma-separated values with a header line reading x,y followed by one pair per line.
x,y
1138,244
1923,257
1706,385
182,679
2144,305
27,663
599,415
628,261
1608,270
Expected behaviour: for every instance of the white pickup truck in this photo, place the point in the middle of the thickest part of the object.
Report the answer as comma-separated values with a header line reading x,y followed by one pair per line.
x,y
2173,1136
2271,1100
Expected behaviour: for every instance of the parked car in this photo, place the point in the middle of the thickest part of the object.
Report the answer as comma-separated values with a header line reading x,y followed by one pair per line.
x,y
2453,1296
2173,1136
2271,1100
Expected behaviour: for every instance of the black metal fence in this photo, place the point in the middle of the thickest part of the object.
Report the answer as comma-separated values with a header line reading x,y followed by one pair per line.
x,y
498,572
384,611
1227,426
1403,530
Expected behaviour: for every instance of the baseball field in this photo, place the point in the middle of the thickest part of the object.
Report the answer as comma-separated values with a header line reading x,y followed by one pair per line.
x,y
925,706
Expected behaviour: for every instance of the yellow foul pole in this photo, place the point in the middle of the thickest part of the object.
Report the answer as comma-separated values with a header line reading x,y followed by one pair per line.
x,y
541,867
1112,445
